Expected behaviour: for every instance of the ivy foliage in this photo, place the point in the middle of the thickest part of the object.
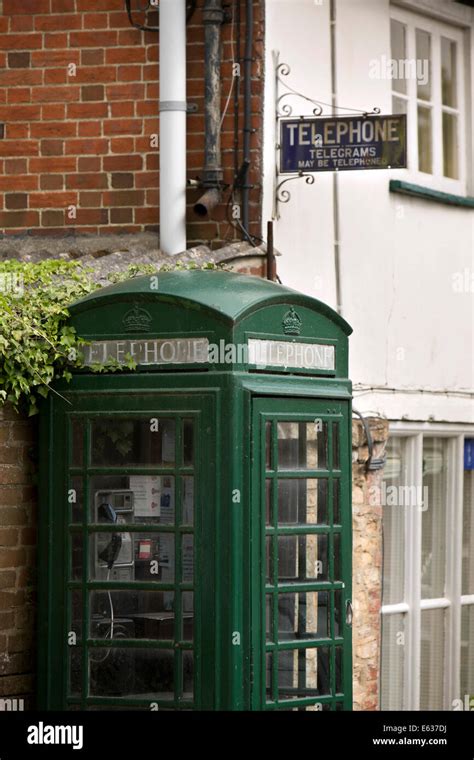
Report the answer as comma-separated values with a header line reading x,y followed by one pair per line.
x,y
37,345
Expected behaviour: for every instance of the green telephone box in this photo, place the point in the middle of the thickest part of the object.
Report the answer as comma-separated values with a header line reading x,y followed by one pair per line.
x,y
195,545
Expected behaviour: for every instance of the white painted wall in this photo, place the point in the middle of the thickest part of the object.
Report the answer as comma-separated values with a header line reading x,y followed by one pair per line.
x,y
412,330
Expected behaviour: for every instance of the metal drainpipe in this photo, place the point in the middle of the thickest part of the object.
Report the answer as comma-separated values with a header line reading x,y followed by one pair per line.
x,y
247,113
173,126
213,17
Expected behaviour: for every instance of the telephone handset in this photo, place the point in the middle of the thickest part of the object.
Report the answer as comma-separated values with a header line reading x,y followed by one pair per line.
x,y
110,552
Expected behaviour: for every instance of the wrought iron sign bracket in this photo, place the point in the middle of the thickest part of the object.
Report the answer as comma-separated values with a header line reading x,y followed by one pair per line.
x,y
284,110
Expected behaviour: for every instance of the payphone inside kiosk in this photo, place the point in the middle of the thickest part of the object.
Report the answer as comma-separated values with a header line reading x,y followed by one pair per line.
x,y
195,546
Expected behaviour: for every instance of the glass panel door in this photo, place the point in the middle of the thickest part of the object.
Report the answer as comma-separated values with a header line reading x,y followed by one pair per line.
x,y
133,613
303,521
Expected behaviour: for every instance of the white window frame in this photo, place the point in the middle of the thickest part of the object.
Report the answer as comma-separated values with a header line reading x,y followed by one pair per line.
x,y
437,29
453,601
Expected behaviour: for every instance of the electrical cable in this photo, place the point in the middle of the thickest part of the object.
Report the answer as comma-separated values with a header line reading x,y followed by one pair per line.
x,y
110,632
232,82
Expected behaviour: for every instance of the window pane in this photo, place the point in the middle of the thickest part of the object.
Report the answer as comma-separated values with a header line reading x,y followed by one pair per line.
x,y
467,651
188,499
187,558
424,140
423,62
399,105
468,535
302,558
302,615
303,672
448,72
146,441
450,145
393,516
131,672
76,498
134,498
188,443
398,45
302,445
77,442
132,556
187,687
302,501
433,520
131,615
392,662
432,659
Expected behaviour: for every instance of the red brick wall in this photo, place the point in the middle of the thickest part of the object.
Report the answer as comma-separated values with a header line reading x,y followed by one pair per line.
x,y
81,137
17,555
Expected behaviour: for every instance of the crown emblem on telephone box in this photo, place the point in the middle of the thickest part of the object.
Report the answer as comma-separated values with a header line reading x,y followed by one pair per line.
x,y
137,320
291,323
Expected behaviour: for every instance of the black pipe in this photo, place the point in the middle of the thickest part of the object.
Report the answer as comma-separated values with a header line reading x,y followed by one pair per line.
x,y
247,112
213,17
237,92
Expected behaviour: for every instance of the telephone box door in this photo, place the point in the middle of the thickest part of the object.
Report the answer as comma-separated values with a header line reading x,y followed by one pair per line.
x,y
301,556
123,539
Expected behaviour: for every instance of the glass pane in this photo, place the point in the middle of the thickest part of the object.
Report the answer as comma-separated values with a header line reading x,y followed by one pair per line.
x,y
77,554
398,47
135,498
187,614
432,659
188,443
468,534
268,502
336,502
433,520
393,516
187,558
337,557
339,669
126,441
301,558
75,614
467,652
75,498
77,436
268,675
302,445
338,620
335,445
132,556
187,688
303,501
188,498
448,72
392,662
131,673
450,145
423,63
399,105
268,445
269,559
303,673
269,617
303,615
131,614
424,140
75,671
